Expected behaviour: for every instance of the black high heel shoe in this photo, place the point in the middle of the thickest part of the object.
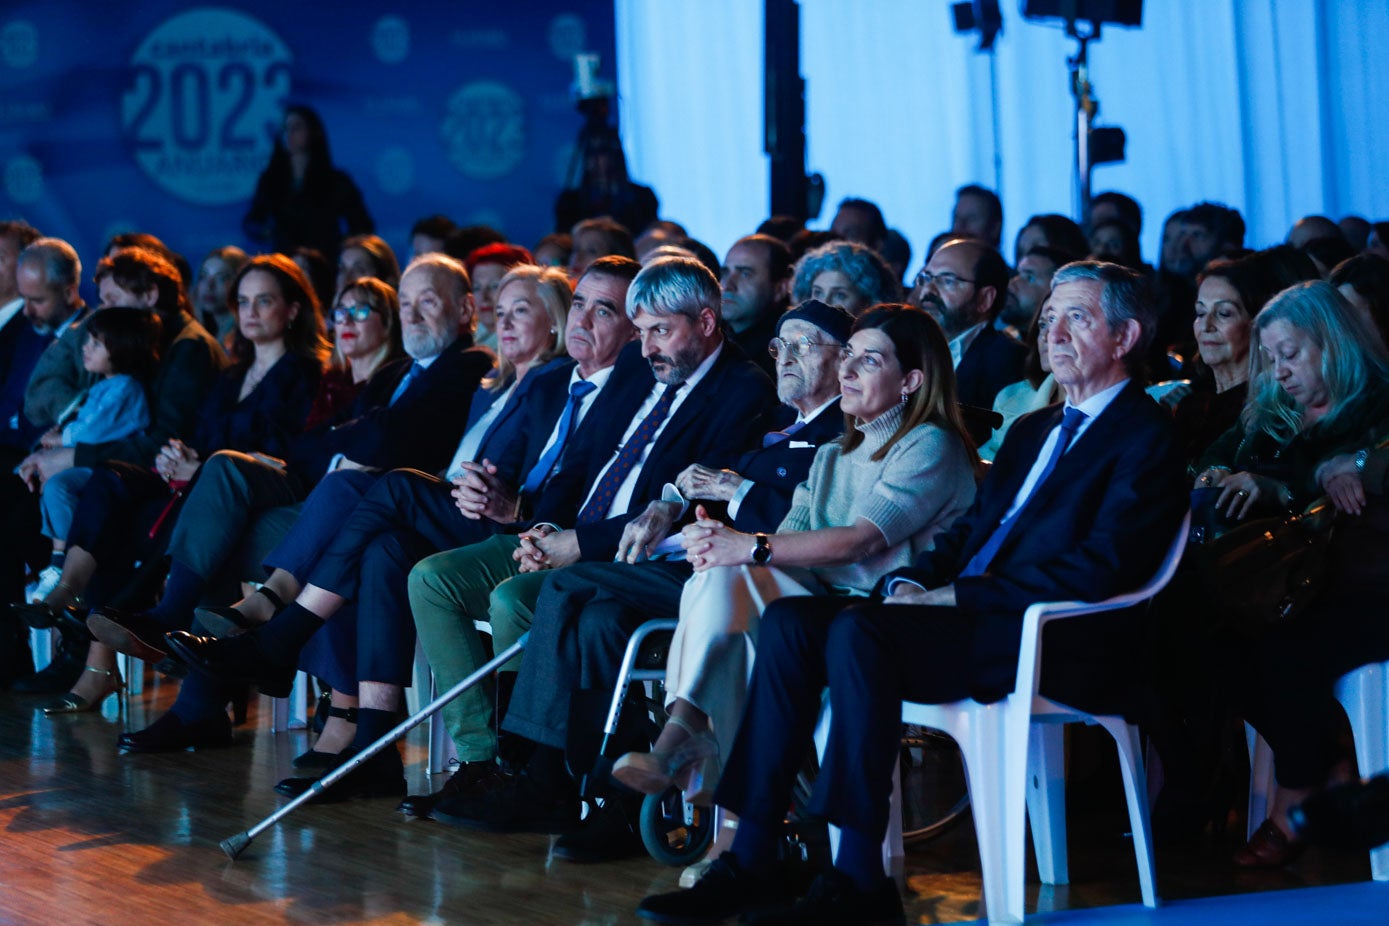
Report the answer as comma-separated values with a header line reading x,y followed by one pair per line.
x,y
227,621
329,760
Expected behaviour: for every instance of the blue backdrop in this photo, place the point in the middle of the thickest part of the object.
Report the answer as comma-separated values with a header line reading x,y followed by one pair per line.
x,y
159,116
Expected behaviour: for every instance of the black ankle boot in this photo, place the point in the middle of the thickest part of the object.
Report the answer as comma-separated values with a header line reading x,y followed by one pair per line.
x,y
382,775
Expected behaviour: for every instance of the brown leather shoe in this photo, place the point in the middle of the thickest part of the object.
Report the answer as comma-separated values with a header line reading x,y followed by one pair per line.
x,y
1268,848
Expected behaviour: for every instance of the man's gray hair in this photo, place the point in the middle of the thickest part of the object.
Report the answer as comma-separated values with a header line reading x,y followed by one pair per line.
x,y
1126,295
444,267
675,286
61,266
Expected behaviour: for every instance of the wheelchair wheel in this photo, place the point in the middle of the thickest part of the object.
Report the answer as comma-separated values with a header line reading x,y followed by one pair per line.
x,y
668,837
934,794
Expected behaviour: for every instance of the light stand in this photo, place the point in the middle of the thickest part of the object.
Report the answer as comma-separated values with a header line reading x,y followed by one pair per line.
x,y
1086,107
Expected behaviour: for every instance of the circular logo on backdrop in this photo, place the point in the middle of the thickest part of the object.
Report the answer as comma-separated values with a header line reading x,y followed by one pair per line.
x,y
23,179
484,129
390,39
203,101
19,43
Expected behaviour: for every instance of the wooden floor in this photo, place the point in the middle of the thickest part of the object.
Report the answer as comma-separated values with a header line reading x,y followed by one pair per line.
x,y
91,836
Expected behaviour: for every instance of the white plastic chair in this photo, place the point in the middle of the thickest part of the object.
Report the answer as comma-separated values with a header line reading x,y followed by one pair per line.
x,y
1364,693
1004,741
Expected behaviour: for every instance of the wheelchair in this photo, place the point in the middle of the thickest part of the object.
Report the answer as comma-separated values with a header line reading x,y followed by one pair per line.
x,y
676,833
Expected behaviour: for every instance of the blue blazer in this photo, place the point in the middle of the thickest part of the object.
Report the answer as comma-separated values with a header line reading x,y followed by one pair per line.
x,y
20,347
725,414
530,411
1099,526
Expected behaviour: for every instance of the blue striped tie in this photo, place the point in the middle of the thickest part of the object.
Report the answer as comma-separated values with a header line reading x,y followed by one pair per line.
x,y
546,464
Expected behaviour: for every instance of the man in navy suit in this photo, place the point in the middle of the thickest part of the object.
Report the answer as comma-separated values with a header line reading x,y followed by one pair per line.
x,y
1081,503
585,614
965,285
686,395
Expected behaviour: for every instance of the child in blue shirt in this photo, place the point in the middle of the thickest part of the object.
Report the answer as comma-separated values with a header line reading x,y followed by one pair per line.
x,y
121,351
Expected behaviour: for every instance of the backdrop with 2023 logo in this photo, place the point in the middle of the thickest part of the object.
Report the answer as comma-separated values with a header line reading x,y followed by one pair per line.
x,y
159,116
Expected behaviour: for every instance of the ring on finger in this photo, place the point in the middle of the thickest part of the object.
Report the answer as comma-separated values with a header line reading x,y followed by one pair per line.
x,y
1242,493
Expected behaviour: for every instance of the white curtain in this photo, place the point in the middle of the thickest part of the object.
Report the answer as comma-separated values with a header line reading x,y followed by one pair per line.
x,y
1277,109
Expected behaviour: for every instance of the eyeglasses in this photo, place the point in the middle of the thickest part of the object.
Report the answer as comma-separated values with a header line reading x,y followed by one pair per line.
x,y
944,281
868,360
797,348
357,313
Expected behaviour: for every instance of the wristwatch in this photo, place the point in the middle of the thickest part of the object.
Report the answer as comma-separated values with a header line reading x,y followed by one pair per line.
x,y
1360,457
762,549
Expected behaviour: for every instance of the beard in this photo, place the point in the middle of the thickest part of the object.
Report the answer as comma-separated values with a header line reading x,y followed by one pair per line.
x,y
678,366
423,343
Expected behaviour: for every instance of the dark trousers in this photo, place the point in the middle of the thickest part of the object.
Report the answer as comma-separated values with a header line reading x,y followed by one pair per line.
x,y
116,521
403,517
231,491
1290,677
872,657
323,513
584,617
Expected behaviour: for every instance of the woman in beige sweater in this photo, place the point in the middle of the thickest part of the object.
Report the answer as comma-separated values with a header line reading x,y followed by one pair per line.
x,y
904,470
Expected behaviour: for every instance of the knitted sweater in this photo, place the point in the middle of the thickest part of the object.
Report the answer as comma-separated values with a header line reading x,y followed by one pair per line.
x,y
913,493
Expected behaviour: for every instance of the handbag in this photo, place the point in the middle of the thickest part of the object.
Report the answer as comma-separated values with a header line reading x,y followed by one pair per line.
x,y
1265,571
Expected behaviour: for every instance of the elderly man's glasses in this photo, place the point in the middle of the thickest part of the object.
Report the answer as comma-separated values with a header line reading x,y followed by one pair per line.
x,y
345,313
797,348
946,282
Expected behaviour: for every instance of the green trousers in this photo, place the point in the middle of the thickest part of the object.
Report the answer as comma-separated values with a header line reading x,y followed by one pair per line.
x,y
449,592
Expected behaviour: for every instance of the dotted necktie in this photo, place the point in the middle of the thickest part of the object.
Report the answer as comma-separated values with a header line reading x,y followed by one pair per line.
x,y
627,457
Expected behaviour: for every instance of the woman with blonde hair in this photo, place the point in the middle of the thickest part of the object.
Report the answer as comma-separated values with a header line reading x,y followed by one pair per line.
x,y
1318,404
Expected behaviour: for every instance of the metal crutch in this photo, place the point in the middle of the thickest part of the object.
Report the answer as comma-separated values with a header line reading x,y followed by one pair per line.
x,y
233,846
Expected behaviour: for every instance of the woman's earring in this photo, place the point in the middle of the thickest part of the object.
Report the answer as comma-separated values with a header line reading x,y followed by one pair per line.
x,y
905,396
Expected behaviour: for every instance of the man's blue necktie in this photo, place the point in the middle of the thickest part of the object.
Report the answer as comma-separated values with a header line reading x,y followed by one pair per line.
x,y
410,376
546,464
979,563
776,437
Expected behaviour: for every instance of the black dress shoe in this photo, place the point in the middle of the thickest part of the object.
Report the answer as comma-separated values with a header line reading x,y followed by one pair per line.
x,y
130,632
835,900
222,622
471,780
171,734
519,806
383,775
726,890
237,659
608,834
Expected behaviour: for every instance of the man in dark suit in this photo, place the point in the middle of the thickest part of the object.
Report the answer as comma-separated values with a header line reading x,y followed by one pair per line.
x,y
585,614
687,395
20,344
965,285
1080,504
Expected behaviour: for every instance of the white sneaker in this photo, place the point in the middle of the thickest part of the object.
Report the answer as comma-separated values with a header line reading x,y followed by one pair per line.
x,y
48,581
